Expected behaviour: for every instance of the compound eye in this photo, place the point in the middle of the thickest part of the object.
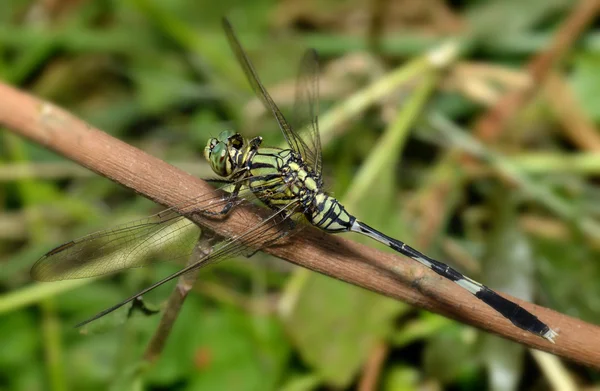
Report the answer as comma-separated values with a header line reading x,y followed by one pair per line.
x,y
224,135
210,146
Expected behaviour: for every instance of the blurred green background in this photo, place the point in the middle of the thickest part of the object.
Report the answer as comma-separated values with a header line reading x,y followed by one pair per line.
x,y
517,209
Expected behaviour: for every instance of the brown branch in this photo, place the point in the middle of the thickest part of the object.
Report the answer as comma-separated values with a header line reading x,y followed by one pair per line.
x,y
576,125
334,256
184,285
371,373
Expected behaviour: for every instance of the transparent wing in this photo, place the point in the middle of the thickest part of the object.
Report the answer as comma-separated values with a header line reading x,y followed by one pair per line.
x,y
270,229
164,236
293,139
130,245
306,110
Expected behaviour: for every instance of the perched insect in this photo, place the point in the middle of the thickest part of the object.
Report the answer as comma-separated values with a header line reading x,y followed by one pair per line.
x,y
288,181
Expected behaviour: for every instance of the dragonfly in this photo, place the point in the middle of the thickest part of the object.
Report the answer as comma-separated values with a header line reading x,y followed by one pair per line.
x,y
287,181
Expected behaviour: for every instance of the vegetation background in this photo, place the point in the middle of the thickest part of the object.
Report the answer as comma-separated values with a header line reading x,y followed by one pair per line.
x,y
519,214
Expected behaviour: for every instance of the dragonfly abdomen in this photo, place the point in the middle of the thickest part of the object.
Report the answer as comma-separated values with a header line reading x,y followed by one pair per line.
x,y
328,214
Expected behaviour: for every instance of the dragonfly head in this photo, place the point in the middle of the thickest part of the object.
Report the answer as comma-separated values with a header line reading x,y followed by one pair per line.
x,y
223,152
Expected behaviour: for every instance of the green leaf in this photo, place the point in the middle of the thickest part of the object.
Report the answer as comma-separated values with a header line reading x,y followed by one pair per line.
x,y
335,325
223,348
585,80
302,383
18,342
450,356
401,378
496,19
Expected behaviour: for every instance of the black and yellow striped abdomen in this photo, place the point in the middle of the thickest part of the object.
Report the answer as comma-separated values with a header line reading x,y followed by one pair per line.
x,y
279,178
329,214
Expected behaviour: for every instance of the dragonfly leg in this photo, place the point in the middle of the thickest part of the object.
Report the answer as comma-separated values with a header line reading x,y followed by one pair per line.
x,y
219,181
255,142
140,305
232,199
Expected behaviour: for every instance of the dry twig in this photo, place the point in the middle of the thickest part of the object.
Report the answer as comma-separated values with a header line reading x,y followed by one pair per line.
x,y
494,121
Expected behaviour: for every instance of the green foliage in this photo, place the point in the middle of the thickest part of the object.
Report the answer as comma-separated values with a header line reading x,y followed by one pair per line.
x,y
328,333
159,75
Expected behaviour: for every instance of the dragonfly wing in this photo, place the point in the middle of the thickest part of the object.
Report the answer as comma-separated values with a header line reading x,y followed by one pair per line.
x,y
306,111
163,236
254,238
134,244
294,141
